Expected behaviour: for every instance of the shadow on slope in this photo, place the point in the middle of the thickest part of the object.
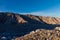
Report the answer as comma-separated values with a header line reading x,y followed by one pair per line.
x,y
32,25
25,28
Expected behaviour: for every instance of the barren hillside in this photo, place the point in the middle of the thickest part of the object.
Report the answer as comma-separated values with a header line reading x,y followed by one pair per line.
x,y
12,24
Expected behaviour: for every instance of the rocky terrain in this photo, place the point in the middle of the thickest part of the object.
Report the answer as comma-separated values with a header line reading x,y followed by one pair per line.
x,y
14,26
41,34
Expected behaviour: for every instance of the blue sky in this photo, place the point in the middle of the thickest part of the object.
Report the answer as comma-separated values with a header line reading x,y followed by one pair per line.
x,y
35,7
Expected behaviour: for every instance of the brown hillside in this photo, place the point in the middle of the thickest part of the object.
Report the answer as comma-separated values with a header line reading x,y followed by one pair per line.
x,y
12,24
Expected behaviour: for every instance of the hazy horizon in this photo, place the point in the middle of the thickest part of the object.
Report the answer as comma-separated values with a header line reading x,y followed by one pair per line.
x,y
34,7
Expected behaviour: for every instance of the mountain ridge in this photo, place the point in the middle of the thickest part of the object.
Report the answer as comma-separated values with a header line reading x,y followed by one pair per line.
x,y
19,25
43,18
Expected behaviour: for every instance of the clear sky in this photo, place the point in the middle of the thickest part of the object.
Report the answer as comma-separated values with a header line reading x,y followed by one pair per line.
x,y
35,7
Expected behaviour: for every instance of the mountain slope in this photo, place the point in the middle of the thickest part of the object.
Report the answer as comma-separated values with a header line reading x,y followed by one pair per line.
x,y
20,18
19,25
41,34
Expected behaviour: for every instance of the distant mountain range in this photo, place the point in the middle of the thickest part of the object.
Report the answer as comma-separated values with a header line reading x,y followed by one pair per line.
x,y
19,25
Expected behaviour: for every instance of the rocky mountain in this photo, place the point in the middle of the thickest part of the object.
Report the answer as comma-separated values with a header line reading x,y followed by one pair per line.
x,y
13,24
